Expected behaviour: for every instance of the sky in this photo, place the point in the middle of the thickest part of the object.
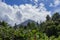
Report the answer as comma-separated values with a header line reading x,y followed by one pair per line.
x,y
48,3
18,11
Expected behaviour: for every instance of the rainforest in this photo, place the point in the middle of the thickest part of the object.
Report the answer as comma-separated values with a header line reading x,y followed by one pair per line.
x,y
47,30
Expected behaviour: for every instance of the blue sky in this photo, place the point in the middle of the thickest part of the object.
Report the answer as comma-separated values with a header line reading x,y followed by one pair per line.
x,y
19,2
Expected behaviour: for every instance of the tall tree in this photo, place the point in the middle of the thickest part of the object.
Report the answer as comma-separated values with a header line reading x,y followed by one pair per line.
x,y
15,27
48,18
55,17
3,23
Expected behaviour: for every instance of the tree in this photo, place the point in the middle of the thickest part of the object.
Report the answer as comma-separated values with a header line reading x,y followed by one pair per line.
x,y
15,27
48,18
56,16
52,31
3,23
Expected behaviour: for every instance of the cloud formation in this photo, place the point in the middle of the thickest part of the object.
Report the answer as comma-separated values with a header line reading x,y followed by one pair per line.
x,y
18,14
55,3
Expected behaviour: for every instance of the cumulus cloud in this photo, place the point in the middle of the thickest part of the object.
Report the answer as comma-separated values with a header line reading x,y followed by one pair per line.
x,y
55,3
51,5
36,0
18,14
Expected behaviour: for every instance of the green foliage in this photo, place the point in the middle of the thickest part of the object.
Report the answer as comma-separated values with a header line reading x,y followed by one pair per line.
x,y
55,17
48,30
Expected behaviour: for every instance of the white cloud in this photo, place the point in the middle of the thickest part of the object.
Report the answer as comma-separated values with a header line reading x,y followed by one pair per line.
x,y
18,14
51,5
36,0
56,2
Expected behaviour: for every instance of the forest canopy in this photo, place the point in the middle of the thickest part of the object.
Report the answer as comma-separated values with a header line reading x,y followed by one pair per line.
x,y
48,30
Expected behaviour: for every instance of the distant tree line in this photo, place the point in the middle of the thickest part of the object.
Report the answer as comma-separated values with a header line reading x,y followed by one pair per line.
x,y
48,30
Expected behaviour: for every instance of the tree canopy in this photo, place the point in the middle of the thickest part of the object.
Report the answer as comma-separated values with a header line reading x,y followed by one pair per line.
x,y
48,30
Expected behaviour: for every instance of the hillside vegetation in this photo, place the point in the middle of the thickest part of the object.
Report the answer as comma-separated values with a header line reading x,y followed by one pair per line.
x,y
48,30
